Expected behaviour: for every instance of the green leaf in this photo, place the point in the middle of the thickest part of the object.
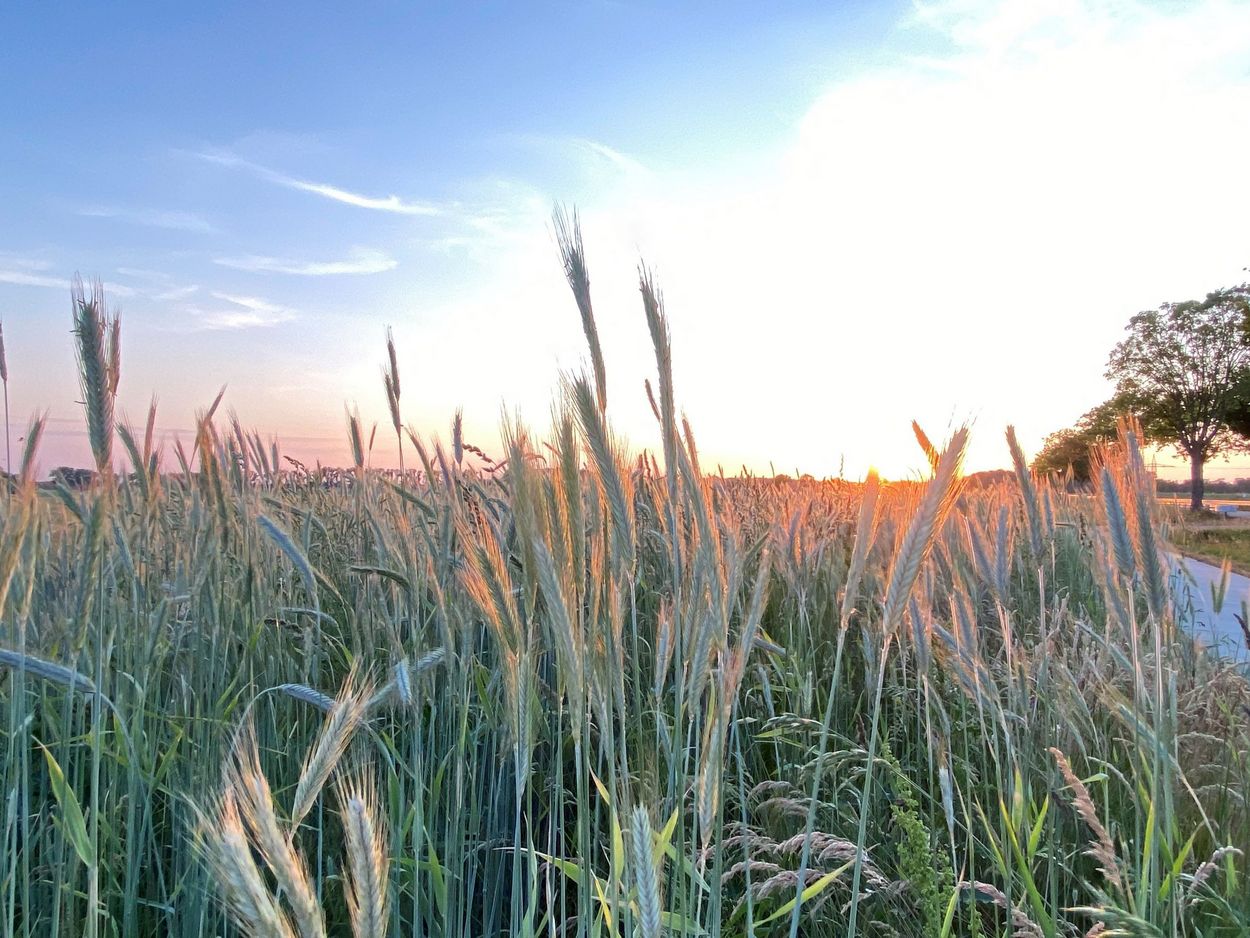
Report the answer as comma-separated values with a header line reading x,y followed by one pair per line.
x,y
439,881
949,919
1026,874
1035,835
676,923
663,839
71,812
1177,865
570,869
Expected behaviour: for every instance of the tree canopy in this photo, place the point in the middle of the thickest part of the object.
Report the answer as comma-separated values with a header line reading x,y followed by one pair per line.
x,y
1070,451
1182,367
1183,370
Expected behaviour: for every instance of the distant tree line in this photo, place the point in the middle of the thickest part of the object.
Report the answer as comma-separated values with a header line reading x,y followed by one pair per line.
x,y
1183,372
1239,486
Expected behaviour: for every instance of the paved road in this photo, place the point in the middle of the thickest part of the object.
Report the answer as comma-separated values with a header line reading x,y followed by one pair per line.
x,y
1193,581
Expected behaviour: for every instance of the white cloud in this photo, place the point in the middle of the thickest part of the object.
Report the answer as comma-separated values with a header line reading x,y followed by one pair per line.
x,y
24,277
142,273
358,261
247,312
162,287
390,203
176,293
151,218
620,161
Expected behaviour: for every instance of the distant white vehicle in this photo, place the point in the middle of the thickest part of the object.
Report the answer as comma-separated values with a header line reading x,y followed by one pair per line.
x,y
1232,511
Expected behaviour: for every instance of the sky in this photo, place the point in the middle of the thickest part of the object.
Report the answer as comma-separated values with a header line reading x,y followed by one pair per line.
x,y
860,214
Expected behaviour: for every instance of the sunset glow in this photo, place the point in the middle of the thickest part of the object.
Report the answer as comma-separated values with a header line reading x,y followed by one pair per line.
x,y
937,211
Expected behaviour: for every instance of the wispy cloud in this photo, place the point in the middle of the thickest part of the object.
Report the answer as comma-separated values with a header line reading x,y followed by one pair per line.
x,y
246,312
23,278
176,293
586,155
390,203
143,273
358,261
161,286
149,217
33,274
621,161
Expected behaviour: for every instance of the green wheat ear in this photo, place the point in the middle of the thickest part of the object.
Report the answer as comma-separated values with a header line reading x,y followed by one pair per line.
x,y
98,339
573,254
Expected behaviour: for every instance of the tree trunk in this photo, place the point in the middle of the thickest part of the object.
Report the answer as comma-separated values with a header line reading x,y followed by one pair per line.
x,y
1196,488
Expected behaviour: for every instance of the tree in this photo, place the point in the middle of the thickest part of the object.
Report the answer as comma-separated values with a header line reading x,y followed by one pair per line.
x,y
1071,450
1183,368
1239,415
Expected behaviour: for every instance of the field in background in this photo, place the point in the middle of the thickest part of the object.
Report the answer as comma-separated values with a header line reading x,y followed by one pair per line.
x,y
1211,501
590,694
1215,542
1209,537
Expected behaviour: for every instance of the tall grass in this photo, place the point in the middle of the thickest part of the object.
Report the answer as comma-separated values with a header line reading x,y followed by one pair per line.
x,y
574,691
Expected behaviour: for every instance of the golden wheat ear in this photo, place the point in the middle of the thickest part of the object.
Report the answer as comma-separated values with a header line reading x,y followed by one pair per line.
x,y
223,843
250,790
345,716
367,867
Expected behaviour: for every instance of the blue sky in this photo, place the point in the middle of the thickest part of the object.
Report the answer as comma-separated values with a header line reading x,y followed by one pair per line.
x,y
860,213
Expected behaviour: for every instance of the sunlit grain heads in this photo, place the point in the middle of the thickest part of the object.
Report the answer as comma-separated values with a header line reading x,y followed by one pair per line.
x,y
607,471
1117,525
1028,494
865,528
563,629
30,451
356,440
925,524
927,447
367,867
663,648
661,342
393,362
249,790
341,722
573,256
224,844
708,779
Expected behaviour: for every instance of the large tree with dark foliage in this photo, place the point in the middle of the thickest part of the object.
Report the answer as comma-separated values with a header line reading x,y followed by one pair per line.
x,y
1183,368
1070,452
